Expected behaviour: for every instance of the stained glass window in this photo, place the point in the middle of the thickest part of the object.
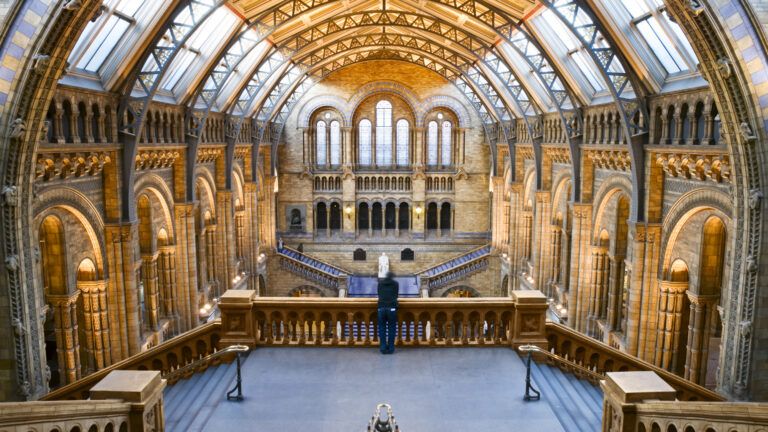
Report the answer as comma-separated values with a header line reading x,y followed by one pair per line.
x,y
335,143
403,145
384,133
364,153
447,143
320,140
432,143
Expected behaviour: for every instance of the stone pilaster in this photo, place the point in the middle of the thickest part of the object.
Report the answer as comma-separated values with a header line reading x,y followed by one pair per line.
x,y
579,267
96,324
251,193
645,244
151,291
671,300
67,341
123,259
541,241
700,322
186,264
166,269
225,240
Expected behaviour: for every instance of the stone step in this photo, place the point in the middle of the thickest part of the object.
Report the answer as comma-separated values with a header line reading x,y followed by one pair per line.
x,y
214,397
201,395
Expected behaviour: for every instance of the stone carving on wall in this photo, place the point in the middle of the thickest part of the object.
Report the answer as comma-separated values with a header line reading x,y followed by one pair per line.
x,y
691,166
614,160
205,155
153,159
64,165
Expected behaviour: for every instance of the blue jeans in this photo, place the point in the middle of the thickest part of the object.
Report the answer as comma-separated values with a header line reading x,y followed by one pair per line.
x,y
387,329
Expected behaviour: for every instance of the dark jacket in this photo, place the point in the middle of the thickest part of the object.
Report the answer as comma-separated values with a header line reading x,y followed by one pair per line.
x,y
388,291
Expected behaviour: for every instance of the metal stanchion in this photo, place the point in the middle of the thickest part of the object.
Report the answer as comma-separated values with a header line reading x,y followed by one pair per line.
x,y
383,421
528,386
238,386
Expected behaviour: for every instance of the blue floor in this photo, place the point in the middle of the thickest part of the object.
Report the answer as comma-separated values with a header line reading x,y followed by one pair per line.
x,y
337,389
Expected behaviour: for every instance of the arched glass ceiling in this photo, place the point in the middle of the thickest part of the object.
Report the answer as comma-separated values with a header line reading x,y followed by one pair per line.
x,y
237,68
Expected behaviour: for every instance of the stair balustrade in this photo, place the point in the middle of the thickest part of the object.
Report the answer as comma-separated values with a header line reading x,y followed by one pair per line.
x,y
644,402
166,357
312,269
456,268
602,358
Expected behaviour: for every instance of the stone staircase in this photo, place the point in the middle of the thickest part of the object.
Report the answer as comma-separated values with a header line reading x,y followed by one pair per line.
x,y
311,268
189,403
456,268
577,403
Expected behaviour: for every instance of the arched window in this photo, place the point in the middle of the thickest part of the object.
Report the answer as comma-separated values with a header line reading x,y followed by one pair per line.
x,y
321,150
335,143
403,145
432,143
364,151
447,145
384,133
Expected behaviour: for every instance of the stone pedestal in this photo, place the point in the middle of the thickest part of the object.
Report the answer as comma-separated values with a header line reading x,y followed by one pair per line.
x,y
143,390
622,390
237,318
530,319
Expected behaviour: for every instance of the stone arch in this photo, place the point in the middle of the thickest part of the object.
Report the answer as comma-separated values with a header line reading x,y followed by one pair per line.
x,y
82,209
463,289
446,102
375,87
155,186
326,100
560,188
610,187
307,291
204,178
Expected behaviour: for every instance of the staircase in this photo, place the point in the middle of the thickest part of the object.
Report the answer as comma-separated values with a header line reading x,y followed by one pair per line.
x,y
310,268
456,268
577,403
189,403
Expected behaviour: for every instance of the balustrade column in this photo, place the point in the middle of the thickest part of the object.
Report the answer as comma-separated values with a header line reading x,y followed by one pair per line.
x,y
73,129
58,123
67,341
664,127
709,126
692,132
88,126
701,312
149,278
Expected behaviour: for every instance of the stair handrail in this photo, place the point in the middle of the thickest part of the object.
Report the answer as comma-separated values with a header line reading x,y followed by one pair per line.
x,y
453,258
174,374
344,272
131,362
679,383
564,363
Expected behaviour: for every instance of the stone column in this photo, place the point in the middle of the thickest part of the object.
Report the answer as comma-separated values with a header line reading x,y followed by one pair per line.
x,y
578,281
541,262
419,146
166,269
96,324
186,265
497,215
251,246
346,134
225,240
670,320
556,235
67,341
645,241
124,261
151,294
701,312
597,288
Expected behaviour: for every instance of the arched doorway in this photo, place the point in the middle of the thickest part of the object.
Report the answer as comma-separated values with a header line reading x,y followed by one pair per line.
x,y
445,218
335,217
404,218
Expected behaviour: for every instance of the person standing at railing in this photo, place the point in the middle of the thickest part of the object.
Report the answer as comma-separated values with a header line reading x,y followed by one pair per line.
x,y
388,291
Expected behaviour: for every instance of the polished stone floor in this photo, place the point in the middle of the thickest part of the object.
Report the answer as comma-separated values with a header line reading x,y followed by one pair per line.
x,y
337,389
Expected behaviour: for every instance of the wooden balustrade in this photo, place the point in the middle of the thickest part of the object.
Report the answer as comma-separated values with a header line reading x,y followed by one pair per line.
x,y
273,321
165,357
603,358
644,402
125,401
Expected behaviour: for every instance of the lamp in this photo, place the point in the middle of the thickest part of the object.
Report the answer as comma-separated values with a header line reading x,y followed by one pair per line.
x,y
418,210
348,210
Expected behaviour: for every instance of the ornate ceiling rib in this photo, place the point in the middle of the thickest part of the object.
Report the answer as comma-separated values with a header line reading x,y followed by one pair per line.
x,y
621,81
145,78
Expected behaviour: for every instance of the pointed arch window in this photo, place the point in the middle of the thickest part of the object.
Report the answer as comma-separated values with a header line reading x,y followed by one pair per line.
x,y
403,144
447,143
384,133
335,143
364,149
322,155
432,143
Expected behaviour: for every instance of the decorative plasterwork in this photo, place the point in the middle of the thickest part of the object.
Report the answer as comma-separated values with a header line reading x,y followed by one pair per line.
x,y
208,154
558,154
